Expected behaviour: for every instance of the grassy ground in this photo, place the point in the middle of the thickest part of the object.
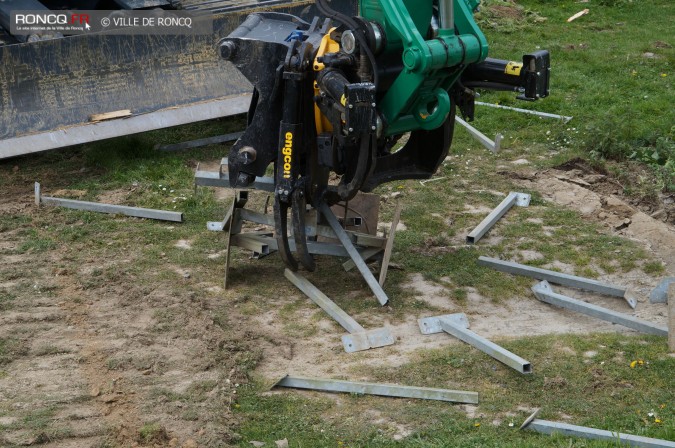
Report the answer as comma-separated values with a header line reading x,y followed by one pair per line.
x,y
611,71
621,102
587,381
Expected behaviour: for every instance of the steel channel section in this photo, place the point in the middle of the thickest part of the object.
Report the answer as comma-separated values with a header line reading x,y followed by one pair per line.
x,y
136,212
387,390
544,293
553,277
488,347
548,427
494,216
354,254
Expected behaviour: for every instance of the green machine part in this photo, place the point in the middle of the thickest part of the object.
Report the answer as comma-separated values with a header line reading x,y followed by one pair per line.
x,y
418,97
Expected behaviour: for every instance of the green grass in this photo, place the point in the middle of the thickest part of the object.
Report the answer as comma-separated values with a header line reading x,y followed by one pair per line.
x,y
602,74
601,391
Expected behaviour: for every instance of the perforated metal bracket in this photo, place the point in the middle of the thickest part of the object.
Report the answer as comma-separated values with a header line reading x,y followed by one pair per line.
x,y
523,199
356,342
432,325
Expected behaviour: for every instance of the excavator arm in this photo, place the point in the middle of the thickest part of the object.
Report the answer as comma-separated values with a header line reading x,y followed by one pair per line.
x,y
335,95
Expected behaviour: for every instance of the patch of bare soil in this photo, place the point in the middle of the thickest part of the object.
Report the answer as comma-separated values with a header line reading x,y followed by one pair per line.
x,y
584,193
91,361
634,176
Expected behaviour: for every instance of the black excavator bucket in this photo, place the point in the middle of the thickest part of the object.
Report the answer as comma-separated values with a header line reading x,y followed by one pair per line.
x,y
52,92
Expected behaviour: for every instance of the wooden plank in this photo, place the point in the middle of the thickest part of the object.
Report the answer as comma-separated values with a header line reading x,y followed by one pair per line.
x,y
388,249
671,317
94,118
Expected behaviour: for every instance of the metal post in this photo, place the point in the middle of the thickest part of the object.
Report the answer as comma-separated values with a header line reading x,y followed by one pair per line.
x,y
387,390
457,325
526,111
520,199
446,13
544,293
482,138
359,338
136,212
326,304
354,254
548,427
558,278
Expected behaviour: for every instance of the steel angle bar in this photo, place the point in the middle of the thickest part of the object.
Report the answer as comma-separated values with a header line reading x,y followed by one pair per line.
x,y
513,198
200,142
526,111
660,293
354,254
482,138
387,390
544,292
457,325
558,278
136,212
549,427
359,338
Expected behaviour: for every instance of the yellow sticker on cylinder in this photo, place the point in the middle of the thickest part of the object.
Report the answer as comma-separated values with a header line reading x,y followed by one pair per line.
x,y
513,68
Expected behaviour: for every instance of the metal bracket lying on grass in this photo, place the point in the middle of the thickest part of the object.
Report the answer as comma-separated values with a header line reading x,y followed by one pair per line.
x,y
136,212
660,293
457,325
558,278
482,138
549,427
359,338
544,292
519,199
386,390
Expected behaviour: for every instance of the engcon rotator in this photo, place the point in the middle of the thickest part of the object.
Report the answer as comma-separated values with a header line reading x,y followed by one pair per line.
x,y
335,95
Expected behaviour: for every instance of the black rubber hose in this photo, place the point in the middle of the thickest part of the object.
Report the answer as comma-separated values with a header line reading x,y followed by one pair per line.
x,y
329,12
348,191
